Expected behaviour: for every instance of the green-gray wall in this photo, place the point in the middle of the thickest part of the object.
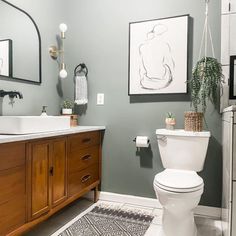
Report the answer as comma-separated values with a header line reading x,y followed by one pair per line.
x,y
98,35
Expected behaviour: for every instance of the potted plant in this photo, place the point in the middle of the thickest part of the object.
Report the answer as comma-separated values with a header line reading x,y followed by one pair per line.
x,y
204,85
67,107
170,121
206,80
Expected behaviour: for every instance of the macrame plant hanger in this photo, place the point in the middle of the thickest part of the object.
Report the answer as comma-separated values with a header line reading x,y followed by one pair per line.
x,y
206,32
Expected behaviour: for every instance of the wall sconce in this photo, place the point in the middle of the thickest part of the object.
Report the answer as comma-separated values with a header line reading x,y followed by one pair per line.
x,y
59,52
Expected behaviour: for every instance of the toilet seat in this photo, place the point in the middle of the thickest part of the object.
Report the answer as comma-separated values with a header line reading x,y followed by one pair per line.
x,y
178,181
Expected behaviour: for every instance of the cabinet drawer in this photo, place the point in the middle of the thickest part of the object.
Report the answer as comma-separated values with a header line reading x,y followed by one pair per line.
x,y
81,159
12,214
12,183
80,180
12,155
84,140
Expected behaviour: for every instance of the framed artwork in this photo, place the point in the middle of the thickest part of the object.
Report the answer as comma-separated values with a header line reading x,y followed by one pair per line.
x,y
6,57
158,56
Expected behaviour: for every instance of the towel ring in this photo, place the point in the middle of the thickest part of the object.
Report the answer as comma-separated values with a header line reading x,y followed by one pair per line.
x,y
81,68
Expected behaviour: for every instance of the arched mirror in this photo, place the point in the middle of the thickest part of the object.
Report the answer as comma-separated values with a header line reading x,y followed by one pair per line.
x,y
20,45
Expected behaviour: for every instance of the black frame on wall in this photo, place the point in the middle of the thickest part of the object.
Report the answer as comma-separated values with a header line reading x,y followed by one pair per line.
x,y
9,56
187,55
231,77
15,79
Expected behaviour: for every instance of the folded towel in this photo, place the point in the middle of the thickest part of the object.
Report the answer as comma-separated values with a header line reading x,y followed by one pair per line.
x,y
81,90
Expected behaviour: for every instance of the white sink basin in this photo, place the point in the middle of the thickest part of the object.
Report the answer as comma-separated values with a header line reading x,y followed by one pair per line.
x,y
33,124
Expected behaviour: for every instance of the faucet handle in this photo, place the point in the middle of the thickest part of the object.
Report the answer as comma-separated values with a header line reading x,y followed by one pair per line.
x,y
44,109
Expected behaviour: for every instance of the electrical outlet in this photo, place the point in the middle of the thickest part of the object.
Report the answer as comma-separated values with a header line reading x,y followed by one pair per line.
x,y
100,99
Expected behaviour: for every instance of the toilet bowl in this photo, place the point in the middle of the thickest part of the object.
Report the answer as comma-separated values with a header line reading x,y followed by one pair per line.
x,y
179,192
179,187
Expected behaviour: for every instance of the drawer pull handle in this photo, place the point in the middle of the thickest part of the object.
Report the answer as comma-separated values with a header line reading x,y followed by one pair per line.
x,y
85,178
51,171
86,158
86,140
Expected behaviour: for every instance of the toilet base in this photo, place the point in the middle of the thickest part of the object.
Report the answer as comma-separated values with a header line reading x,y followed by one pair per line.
x,y
178,217
178,224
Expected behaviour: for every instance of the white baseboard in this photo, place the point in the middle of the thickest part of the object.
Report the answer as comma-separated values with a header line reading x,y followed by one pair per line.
x,y
211,212
129,199
206,211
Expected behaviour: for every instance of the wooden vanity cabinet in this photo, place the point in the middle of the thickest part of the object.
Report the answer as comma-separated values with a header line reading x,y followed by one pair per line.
x,y
46,166
40,177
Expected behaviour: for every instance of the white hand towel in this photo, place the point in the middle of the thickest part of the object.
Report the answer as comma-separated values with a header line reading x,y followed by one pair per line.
x,y
81,90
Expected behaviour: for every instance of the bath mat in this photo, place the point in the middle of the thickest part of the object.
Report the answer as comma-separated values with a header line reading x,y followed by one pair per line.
x,y
109,221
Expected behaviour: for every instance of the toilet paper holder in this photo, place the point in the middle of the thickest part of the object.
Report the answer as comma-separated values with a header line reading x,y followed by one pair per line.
x,y
142,145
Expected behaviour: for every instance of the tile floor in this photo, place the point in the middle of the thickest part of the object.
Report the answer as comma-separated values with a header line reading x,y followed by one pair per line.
x,y
206,226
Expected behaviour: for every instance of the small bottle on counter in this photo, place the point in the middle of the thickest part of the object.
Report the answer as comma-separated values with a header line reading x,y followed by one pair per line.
x,y
74,120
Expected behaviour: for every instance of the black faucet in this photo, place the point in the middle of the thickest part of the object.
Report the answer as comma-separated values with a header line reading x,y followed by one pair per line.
x,y
11,94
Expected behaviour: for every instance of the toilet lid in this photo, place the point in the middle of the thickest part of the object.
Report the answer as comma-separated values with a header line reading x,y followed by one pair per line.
x,y
178,180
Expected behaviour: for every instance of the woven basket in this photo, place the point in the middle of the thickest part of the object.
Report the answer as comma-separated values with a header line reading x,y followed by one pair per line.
x,y
193,121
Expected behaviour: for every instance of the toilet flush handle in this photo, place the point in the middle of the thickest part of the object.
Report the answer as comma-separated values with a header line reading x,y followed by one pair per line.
x,y
162,138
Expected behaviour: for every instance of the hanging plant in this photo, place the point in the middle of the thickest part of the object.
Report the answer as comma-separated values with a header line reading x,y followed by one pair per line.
x,y
206,79
205,83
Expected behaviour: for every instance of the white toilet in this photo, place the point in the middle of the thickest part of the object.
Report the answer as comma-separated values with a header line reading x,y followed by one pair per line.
x,y
178,187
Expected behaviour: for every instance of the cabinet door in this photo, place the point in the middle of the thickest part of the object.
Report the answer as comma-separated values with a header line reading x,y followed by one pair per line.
x,y
233,232
232,6
225,6
39,167
227,126
225,39
12,186
12,199
59,174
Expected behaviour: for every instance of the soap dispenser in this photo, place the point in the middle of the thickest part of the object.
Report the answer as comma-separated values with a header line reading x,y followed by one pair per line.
x,y
44,112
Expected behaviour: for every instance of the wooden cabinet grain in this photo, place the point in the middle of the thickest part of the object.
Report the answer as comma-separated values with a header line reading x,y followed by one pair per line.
x,y
59,172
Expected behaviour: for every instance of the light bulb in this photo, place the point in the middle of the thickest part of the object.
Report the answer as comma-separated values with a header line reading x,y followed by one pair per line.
x,y
63,74
63,27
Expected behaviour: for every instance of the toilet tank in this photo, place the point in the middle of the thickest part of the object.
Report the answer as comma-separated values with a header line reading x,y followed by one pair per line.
x,y
180,149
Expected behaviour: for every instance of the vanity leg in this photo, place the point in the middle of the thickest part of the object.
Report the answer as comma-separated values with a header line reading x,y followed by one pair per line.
x,y
95,194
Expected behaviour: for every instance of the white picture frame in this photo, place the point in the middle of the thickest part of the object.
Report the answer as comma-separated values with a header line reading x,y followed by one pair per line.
x,y
6,57
158,56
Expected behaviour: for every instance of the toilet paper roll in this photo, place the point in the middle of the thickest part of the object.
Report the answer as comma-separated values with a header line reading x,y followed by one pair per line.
x,y
142,141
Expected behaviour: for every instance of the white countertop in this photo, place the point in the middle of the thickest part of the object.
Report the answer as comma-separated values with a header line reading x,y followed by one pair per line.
x,y
23,137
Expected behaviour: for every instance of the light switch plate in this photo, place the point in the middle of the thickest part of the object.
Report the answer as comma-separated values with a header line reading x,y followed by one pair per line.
x,y
100,99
